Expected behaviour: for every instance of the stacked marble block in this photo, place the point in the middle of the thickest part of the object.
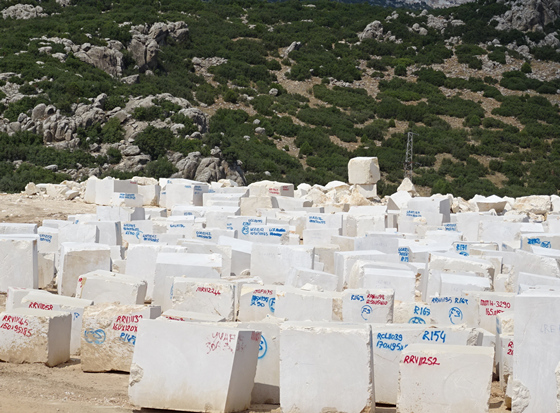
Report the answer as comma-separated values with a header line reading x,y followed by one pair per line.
x,y
276,295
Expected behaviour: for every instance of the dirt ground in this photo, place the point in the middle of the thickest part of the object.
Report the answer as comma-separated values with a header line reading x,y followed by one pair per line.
x,y
35,388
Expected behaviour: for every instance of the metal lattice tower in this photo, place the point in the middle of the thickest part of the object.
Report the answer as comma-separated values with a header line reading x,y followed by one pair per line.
x,y
409,154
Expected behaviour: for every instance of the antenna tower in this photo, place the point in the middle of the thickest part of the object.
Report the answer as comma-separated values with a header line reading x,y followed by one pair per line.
x,y
409,154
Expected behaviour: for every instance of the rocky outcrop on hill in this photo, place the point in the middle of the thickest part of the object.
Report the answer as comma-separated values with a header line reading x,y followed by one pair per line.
x,y
206,169
529,15
374,30
23,12
107,58
146,41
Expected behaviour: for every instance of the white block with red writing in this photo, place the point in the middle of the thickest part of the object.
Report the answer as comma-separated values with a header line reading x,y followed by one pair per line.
x,y
18,260
312,371
180,315
77,259
390,340
537,351
52,302
35,336
325,281
270,188
216,364
109,287
295,304
216,297
444,379
489,305
15,295
169,265
256,302
109,334
367,306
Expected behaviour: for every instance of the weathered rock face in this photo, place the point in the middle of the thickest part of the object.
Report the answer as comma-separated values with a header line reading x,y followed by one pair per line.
x,y
212,168
146,41
23,12
528,15
374,30
109,59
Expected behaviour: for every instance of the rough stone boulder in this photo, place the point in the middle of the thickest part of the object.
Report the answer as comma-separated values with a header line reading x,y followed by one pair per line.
x,y
23,12
107,58
534,204
374,30
528,15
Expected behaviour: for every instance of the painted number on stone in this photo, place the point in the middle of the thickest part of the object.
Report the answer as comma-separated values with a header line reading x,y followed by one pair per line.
x,y
434,335
428,361
128,338
220,341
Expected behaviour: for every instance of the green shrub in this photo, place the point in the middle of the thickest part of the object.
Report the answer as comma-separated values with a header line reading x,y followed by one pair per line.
x,y
526,67
154,142
160,168
400,70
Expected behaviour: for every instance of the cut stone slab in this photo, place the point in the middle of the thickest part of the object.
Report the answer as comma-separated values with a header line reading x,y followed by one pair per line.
x,y
51,302
77,259
256,302
363,171
179,315
299,305
35,336
18,260
230,353
109,287
367,306
312,371
445,378
109,335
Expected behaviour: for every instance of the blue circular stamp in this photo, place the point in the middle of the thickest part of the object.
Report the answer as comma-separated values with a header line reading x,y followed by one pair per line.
x,y
271,303
366,312
245,230
263,347
94,336
416,320
455,315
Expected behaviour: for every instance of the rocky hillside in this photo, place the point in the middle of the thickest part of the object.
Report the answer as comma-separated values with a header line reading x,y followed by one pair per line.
x,y
250,90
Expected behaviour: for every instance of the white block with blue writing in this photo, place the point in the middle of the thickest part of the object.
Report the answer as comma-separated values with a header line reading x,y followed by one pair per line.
x,y
324,281
256,302
237,223
103,189
109,287
267,378
272,262
52,302
165,239
325,221
218,217
317,360
445,378
295,304
184,194
269,234
48,240
122,199
215,297
453,310
109,334
367,306
411,313
212,234
390,340
183,264
539,239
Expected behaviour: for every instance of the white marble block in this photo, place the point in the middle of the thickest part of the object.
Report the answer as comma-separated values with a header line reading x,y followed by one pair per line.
x,y
256,302
444,379
273,262
187,352
108,287
206,296
363,171
298,305
35,336
18,260
77,259
109,335
317,361
325,281
537,351
51,302
367,306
